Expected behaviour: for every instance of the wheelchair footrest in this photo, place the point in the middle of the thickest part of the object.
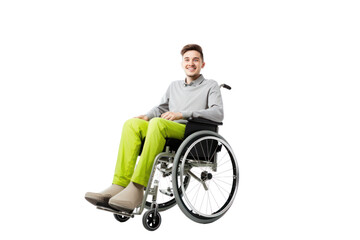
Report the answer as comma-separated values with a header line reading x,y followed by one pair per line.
x,y
115,211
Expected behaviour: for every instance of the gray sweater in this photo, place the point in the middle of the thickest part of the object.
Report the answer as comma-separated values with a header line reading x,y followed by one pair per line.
x,y
200,98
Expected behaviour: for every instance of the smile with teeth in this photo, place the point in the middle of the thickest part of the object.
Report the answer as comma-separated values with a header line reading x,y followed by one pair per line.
x,y
191,69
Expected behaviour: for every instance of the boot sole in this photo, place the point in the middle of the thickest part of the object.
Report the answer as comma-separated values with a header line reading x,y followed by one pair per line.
x,y
96,202
121,208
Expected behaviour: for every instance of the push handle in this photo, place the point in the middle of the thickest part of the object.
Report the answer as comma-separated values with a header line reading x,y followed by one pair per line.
x,y
225,86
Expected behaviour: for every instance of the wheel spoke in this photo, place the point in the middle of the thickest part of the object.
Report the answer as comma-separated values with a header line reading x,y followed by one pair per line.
x,y
221,189
214,198
224,163
223,172
223,181
203,152
222,158
214,151
194,157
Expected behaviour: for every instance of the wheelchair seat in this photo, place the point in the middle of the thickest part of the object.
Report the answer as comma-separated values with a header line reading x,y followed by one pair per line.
x,y
173,144
193,125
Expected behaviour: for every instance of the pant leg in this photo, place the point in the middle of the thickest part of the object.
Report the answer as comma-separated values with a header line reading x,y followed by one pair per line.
x,y
158,130
134,131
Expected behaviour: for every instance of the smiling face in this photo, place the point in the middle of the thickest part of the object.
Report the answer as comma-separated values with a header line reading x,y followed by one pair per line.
x,y
192,64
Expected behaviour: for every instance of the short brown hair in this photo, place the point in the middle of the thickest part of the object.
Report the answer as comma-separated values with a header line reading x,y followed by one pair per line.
x,y
190,47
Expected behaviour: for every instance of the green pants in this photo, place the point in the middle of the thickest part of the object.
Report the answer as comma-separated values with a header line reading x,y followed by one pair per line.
x,y
134,131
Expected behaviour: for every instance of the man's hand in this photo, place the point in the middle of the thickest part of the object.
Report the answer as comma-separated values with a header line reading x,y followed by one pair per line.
x,y
143,117
172,116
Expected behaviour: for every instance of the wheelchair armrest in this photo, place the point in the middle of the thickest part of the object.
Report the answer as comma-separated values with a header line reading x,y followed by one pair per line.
x,y
204,121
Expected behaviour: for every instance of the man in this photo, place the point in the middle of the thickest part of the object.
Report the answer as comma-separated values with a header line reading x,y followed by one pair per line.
x,y
194,97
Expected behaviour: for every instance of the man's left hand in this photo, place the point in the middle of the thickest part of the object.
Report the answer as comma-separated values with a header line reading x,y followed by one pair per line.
x,y
172,116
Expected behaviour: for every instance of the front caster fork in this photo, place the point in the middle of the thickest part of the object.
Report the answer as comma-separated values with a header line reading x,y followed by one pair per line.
x,y
152,218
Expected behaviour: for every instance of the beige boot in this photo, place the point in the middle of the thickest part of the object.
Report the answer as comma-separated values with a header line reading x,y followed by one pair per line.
x,y
128,199
102,198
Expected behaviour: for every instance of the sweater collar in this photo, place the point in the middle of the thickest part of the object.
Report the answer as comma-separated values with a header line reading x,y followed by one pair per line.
x,y
196,82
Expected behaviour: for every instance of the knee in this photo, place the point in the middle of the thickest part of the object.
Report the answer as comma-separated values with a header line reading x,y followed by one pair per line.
x,y
134,123
156,123
129,122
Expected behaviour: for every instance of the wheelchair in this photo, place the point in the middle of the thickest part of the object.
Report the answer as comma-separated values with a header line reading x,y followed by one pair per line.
x,y
199,174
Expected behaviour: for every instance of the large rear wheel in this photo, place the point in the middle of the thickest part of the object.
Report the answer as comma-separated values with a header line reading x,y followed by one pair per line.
x,y
209,164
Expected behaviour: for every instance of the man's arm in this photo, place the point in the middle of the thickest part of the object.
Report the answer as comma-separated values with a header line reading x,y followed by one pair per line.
x,y
158,110
172,116
143,117
215,112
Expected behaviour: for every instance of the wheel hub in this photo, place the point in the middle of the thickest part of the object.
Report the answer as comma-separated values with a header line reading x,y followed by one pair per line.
x,y
206,176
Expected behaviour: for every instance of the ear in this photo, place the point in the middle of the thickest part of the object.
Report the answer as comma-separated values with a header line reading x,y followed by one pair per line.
x,y
203,65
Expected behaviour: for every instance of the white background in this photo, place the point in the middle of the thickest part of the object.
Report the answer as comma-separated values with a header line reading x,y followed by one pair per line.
x,y
73,71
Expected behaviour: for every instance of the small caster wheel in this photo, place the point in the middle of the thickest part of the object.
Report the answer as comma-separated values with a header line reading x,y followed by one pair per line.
x,y
151,220
121,218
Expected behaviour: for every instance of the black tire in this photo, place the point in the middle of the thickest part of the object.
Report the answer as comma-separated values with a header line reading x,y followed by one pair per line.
x,y
121,218
152,220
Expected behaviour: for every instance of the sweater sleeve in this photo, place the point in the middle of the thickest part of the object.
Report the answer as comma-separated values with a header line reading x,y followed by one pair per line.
x,y
215,111
161,108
